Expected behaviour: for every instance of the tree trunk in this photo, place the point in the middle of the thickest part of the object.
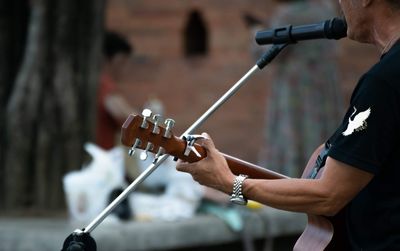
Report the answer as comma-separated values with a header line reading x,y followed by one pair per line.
x,y
13,22
50,111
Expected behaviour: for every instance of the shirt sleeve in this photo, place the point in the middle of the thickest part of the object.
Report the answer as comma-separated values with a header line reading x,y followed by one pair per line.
x,y
370,128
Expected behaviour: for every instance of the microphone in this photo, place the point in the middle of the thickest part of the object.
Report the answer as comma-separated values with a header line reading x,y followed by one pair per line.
x,y
335,28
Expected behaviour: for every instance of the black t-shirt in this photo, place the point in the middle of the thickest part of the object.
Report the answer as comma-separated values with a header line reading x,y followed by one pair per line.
x,y
369,139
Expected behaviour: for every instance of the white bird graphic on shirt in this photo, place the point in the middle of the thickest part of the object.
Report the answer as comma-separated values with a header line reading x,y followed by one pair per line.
x,y
358,123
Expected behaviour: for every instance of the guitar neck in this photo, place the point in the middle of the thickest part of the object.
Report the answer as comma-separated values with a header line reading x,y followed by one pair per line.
x,y
239,166
236,165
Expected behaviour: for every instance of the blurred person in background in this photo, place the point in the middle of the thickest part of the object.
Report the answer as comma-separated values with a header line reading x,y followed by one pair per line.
x,y
112,107
359,160
305,100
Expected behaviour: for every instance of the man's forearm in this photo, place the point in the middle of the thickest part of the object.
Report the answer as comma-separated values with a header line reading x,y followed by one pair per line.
x,y
299,195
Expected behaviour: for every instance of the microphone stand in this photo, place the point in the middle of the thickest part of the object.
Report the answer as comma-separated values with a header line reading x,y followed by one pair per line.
x,y
80,239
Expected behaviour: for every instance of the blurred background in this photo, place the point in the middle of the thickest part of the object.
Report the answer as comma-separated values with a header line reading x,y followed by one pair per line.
x,y
180,57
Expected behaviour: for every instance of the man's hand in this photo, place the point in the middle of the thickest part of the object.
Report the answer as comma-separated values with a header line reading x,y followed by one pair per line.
x,y
212,171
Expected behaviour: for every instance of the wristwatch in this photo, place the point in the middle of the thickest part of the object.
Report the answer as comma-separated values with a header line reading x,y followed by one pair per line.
x,y
237,194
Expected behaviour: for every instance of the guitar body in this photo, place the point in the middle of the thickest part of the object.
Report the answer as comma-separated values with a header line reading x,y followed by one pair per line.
x,y
321,233
324,233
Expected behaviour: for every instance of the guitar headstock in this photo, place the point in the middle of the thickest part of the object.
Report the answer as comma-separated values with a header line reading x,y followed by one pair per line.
x,y
151,133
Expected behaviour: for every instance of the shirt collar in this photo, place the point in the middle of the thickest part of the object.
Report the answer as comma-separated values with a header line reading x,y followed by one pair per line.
x,y
394,48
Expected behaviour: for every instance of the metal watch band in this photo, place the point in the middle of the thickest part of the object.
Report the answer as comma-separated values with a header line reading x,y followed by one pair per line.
x,y
237,194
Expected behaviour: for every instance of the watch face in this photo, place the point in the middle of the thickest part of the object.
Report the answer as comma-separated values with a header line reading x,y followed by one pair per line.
x,y
239,200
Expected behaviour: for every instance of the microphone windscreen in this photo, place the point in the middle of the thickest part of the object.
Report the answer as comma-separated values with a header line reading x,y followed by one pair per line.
x,y
336,28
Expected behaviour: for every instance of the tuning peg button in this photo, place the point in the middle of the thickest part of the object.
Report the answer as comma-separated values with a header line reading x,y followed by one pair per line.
x,y
143,155
157,119
146,113
170,123
133,148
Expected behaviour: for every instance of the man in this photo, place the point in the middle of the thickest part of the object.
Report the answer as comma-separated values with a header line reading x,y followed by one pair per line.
x,y
361,170
112,108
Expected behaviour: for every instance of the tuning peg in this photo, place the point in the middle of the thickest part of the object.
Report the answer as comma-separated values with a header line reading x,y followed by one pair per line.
x,y
160,152
146,113
157,119
170,123
143,155
133,148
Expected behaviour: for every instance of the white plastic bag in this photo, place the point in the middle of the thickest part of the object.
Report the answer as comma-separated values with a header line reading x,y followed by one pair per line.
x,y
180,200
87,190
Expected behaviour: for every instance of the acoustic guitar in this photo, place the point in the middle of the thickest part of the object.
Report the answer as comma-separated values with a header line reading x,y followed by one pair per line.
x,y
321,233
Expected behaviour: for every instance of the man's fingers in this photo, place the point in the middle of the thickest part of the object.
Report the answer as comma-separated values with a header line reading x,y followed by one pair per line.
x,y
207,143
183,166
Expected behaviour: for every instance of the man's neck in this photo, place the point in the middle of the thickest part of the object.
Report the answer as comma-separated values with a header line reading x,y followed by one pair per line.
x,y
386,31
